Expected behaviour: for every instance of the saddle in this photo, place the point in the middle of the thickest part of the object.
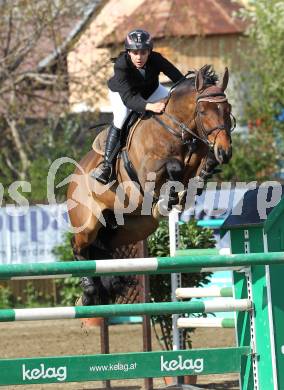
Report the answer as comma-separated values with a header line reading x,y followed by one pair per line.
x,y
126,134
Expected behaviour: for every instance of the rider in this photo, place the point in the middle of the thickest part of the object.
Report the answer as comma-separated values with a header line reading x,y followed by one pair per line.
x,y
134,87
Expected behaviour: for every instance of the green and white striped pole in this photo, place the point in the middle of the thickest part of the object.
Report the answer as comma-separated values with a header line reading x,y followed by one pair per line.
x,y
155,265
204,292
7,315
206,323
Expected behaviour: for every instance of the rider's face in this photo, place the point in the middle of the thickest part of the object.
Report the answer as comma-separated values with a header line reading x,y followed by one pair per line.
x,y
139,57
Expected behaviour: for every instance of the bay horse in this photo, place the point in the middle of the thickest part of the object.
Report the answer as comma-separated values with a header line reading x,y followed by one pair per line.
x,y
188,140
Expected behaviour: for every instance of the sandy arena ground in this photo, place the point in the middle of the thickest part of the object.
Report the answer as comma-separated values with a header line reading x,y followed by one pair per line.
x,y
69,337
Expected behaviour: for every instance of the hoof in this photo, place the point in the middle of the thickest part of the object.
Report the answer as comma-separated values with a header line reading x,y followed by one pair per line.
x,y
86,300
88,285
199,191
79,302
173,201
111,221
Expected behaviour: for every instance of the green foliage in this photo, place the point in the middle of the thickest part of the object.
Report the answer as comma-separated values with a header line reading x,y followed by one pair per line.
x,y
191,236
259,87
264,57
68,138
252,159
64,251
5,297
48,140
158,242
69,288
34,298
68,291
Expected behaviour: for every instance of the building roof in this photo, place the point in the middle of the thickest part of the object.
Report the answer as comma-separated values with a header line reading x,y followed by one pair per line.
x,y
71,31
49,46
171,18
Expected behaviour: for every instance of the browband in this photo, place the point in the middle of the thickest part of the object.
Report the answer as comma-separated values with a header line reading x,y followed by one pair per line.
x,y
209,95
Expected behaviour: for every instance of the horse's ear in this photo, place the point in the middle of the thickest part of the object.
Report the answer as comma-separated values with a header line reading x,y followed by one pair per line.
x,y
224,83
199,81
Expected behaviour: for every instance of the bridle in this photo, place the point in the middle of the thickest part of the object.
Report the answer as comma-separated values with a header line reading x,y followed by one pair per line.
x,y
217,98
181,130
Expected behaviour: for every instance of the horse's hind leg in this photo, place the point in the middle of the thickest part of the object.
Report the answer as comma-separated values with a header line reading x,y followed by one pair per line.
x,y
87,282
92,286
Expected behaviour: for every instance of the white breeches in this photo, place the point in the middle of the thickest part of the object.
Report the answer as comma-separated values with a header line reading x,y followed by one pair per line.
x,y
121,112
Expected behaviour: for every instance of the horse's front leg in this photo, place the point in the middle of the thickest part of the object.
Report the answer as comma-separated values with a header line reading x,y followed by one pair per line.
x,y
175,171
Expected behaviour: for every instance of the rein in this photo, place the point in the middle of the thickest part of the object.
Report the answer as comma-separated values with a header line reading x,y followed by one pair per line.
x,y
184,129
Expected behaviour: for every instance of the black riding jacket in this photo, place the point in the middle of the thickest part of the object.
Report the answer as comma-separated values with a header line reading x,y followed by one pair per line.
x,y
133,88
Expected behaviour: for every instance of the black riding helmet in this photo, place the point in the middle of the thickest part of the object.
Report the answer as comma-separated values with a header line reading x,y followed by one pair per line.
x,y
138,40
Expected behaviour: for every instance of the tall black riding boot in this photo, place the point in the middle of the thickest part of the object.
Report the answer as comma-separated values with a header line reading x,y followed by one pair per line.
x,y
103,174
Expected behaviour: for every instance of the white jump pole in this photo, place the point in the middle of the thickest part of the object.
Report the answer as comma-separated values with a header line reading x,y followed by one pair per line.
x,y
175,278
200,322
204,292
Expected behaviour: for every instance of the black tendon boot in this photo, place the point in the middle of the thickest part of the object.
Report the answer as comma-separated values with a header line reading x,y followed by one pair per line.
x,y
103,174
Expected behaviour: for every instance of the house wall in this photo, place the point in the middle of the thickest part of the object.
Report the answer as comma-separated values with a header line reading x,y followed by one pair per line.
x,y
90,61
94,65
90,64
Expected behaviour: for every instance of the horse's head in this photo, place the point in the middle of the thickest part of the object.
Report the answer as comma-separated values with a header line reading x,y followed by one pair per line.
x,y
213,113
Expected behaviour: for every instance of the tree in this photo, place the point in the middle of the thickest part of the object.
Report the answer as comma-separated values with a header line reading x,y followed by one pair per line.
x,y
256,155
264,59
35,37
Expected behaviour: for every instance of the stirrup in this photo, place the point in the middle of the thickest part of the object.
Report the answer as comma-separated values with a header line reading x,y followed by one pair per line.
x,y
101,176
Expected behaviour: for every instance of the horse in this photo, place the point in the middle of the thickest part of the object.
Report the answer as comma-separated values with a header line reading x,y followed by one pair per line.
x,y
188,140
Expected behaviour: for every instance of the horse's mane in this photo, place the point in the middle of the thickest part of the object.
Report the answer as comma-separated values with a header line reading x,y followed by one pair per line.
x,y
209,76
